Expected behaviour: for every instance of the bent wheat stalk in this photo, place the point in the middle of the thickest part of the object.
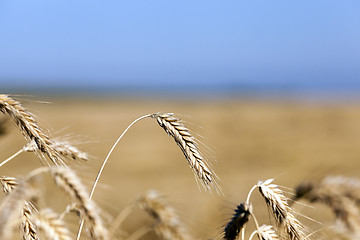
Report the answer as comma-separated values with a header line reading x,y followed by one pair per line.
x,y
185,141
103,166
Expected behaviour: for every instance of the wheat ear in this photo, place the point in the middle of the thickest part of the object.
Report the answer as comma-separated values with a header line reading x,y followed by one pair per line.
x,y
48,222
283,214
64,148
348,187
183,138
238,221
338,197
67,180
12,209
167,225
28,226
29,127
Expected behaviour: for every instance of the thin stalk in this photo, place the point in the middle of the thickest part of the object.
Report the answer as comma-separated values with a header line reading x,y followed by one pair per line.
x,y
13,156
248,196
248,202
103,166
139,233
253,233
119,219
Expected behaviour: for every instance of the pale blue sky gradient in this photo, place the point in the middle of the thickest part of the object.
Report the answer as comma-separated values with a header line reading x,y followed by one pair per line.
x,y
203,42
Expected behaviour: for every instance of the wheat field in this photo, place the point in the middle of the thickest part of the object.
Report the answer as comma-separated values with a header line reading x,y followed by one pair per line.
x,y
245,140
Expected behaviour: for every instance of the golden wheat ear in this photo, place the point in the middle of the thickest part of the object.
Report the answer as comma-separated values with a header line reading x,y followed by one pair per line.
x,y
167,225
29,127
188,145
67,180
340,194
238,221
15,210
49,222
283,214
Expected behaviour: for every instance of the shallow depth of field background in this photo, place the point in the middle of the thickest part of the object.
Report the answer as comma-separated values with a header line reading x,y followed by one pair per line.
x,y
270,88
251,140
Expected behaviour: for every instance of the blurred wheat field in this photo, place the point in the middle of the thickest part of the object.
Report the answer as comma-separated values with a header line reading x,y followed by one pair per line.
x,y
251,140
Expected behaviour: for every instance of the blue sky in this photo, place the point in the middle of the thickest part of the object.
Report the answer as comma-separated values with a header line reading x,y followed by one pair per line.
x,y
183,43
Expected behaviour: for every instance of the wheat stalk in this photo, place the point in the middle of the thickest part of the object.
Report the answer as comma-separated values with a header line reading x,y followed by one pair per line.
x,y
67,180
183,138
29,127
49,222
238,221
167,225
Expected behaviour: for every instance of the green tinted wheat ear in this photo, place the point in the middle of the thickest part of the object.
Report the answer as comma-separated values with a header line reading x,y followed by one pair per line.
x,y
29,127
180,133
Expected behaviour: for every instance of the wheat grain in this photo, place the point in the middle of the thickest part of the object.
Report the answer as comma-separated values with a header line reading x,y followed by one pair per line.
x,y
8,183
180,133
